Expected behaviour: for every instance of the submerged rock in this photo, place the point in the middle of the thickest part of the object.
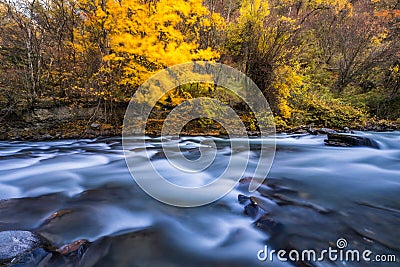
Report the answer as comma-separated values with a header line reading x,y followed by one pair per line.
x,y
243,199
37,257
17,243
346,140
91,254
251,210
73,247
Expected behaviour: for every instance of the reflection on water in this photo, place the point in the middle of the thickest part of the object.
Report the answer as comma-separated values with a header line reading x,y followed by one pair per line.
x,y
314,195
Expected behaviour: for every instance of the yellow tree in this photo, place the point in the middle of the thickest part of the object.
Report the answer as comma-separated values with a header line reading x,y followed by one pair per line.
x,y
138,37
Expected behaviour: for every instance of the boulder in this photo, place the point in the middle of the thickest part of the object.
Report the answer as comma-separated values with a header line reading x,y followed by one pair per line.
x,y
15,244
347,140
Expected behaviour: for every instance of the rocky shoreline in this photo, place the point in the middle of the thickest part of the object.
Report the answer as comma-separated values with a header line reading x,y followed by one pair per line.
x,y
82,129
89,122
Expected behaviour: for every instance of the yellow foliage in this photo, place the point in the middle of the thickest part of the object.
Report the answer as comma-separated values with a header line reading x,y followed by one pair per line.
x,y
378,39
287,80
254,9
144,37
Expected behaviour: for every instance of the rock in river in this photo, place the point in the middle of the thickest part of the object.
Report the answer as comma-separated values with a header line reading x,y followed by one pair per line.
x,y
17,243
345,140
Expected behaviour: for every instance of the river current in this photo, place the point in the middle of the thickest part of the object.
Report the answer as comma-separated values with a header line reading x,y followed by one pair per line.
x,y
319,195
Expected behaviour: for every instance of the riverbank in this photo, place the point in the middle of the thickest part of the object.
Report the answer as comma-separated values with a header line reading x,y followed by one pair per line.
x,y
77,121
87,129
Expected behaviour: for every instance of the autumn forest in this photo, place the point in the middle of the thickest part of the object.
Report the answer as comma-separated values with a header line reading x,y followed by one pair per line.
x,y
331,63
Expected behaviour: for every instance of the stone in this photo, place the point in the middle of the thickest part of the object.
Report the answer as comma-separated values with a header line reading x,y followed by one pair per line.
x,y
243,199
326,131
95,126
17,243
347,140
44,137
72,247
37,257
300,131
251,210
312,131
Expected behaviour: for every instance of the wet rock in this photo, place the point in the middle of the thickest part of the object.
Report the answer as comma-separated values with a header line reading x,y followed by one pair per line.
x,y
56,214
94,252
326,131
383,126
76,246
245,180
253,133
95,126
22,213
346,130
347,140
263,203
304,130
85,219
37,257
366,220
300,131
45,137
243,199
312,131
103,194
78,253
251,210
158,155
17,243
269,225
271,187
284,196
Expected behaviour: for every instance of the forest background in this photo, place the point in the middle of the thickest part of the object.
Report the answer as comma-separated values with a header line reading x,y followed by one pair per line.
x,y
69,67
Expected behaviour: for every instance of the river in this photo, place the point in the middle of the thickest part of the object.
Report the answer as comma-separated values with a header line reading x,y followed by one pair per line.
x,y
313,196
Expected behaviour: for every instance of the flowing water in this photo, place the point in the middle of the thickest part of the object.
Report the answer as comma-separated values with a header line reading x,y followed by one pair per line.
x,y
321,194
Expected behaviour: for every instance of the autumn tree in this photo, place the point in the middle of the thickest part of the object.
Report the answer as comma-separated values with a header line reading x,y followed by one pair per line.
x,y
137,38
24,39
269,54
34,47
